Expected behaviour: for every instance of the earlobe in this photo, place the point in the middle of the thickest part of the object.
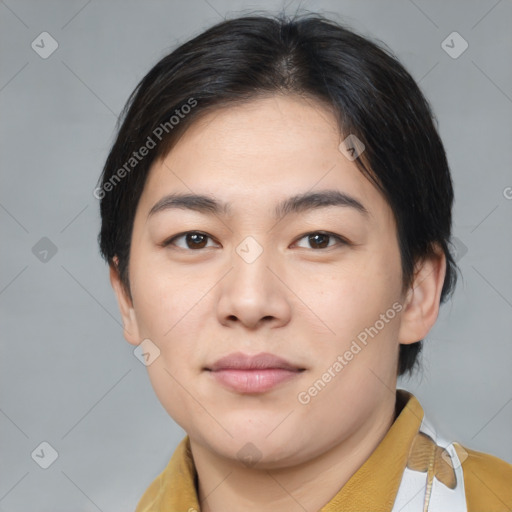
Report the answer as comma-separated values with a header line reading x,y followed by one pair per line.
x,y
130,326
423,299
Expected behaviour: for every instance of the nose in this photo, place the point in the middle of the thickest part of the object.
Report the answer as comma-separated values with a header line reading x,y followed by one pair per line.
x,y
254,293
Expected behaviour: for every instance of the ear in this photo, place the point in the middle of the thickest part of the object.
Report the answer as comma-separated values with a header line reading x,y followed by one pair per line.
x,y
423,298
130,325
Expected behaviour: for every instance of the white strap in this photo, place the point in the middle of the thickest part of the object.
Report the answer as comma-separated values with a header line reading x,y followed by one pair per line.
x,y
412,493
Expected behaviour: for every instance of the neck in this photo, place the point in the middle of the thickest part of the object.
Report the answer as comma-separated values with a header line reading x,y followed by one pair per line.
x,y
225,485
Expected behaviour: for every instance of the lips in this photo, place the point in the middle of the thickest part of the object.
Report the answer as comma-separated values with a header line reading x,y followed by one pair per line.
x,y
252,374
240,361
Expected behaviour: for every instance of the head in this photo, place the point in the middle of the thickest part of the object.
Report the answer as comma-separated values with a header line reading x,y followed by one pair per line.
x,y
322,229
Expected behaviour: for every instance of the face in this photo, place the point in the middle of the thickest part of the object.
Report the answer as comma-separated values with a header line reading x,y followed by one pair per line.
x,y
315,283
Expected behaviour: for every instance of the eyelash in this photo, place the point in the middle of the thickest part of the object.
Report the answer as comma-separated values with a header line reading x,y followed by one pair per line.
x,y
170,241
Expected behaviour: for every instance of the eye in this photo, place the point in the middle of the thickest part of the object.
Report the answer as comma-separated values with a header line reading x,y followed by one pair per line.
x,y
193,240
320,239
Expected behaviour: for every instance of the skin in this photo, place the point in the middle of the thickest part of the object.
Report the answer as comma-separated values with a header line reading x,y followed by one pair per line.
x,y
297,300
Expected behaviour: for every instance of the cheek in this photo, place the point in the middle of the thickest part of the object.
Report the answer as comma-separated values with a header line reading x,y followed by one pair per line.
x,y
163,299
358,303
355,296
169,385
166,315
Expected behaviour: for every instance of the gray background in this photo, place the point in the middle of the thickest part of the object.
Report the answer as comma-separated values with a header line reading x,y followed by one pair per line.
x,y
67,375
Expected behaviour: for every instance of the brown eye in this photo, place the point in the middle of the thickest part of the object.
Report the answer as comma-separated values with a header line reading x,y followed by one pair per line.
x,y
194,240
320,240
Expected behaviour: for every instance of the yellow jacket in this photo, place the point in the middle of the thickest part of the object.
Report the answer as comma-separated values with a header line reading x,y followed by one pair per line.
x,y
487,480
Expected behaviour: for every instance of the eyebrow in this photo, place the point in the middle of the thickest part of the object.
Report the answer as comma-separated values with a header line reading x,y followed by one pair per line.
x,y
295,204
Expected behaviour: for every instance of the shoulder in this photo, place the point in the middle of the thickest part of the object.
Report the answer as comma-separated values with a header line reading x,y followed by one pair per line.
x,y
175,487
487,480
152,496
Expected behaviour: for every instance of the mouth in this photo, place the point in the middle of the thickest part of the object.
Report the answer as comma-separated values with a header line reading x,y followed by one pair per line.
x,y
252,374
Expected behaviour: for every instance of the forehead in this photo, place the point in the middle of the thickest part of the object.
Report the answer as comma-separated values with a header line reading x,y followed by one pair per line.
x,y
261,151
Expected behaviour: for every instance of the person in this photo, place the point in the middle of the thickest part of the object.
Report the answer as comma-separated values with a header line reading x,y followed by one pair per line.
x,y
276,214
